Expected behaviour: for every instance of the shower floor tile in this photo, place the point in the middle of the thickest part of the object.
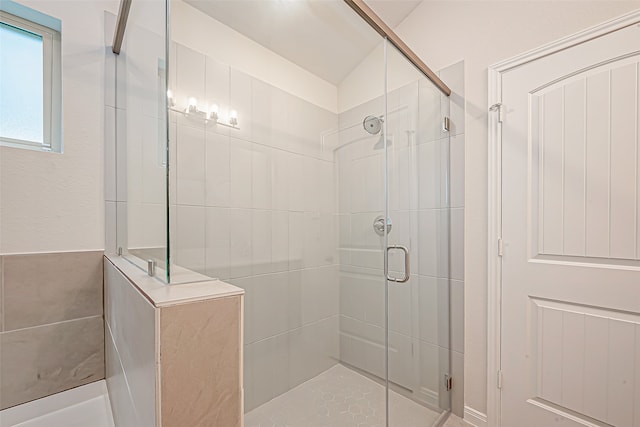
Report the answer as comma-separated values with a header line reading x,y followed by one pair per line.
x,y
339,397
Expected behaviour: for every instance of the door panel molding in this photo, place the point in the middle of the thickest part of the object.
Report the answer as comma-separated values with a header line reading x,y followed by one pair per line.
x,y
495,245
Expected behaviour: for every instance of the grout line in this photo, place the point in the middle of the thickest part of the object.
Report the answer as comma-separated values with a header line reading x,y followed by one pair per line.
x,y
55,323
562,166
584,169
609,172
637,119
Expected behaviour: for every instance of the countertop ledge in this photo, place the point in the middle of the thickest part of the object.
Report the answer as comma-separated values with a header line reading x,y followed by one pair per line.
x,y
163,295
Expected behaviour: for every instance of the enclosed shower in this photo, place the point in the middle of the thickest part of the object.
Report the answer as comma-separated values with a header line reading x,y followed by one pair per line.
x,y
290,149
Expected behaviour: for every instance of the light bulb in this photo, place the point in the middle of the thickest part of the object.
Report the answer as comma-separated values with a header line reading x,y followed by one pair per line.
x,y
213,112
193,105
170,99
233,117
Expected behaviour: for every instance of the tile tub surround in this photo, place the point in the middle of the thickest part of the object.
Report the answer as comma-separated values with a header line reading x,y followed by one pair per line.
x,y
175,355
52,333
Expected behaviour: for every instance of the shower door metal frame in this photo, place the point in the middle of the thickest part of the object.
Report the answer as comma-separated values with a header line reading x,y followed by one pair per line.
x,y
375,22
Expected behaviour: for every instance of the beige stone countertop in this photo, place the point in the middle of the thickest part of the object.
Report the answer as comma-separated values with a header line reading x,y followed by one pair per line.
x,y
162,295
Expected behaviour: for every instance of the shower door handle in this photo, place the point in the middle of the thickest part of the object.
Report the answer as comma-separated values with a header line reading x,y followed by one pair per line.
x,y
407,264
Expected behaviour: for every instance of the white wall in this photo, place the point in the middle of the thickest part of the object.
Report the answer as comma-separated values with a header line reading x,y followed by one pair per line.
x,y
200,32
482,33
55,202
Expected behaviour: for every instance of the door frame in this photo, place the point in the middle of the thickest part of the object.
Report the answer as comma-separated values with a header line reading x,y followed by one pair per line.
x,y
494,268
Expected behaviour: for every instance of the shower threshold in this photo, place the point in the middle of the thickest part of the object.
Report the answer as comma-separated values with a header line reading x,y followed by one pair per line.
x,y
340,397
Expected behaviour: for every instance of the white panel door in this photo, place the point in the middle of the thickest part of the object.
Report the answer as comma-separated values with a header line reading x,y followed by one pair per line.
x,y
571,232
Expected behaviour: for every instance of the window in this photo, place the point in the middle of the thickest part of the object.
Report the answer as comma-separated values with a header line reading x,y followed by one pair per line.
x,y
30,81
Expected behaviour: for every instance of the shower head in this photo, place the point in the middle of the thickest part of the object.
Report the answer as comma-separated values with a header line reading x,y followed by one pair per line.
x,y
372,124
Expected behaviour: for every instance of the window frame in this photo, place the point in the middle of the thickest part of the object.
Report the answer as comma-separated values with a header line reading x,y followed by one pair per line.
x,y
51,88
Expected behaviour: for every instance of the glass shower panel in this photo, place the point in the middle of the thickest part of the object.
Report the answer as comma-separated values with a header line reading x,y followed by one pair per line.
x,y
142,139
291,172
417,170
361,195
257,197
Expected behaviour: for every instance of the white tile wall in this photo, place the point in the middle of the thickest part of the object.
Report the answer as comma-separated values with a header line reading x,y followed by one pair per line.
x,y
258,206
130,351
255,206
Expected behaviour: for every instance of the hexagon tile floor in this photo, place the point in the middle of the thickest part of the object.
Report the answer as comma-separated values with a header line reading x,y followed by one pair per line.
x,y
339,397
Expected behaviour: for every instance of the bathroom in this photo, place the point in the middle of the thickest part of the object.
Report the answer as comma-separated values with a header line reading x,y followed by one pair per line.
x,y
319,212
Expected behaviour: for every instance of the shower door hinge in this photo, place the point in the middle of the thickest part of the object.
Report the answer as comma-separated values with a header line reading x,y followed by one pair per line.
x,y
499,380
446,124
448,382
498,107
500,247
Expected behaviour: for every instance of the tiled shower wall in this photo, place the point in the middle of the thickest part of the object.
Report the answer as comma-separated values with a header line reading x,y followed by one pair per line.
x,y
51,324
254,206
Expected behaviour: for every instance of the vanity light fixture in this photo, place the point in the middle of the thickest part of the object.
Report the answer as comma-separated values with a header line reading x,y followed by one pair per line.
x,y
212,114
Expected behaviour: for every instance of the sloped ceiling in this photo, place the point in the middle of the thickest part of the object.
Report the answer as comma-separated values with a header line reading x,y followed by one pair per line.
x,y
323,36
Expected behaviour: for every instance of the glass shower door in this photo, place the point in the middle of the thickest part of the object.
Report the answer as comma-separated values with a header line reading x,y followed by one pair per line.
x,y
417,262
391,173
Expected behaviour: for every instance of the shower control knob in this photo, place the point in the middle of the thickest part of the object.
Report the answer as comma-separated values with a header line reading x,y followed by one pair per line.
x,y
378,225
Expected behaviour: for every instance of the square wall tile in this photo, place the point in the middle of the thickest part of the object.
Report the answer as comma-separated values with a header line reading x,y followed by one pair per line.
x,y
74,356
51,287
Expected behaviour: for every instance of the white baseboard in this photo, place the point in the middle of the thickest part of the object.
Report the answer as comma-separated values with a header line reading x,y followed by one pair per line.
x,y
474,417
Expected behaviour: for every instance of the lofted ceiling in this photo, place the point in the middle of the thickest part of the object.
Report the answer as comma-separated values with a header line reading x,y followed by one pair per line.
x,y
324,37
